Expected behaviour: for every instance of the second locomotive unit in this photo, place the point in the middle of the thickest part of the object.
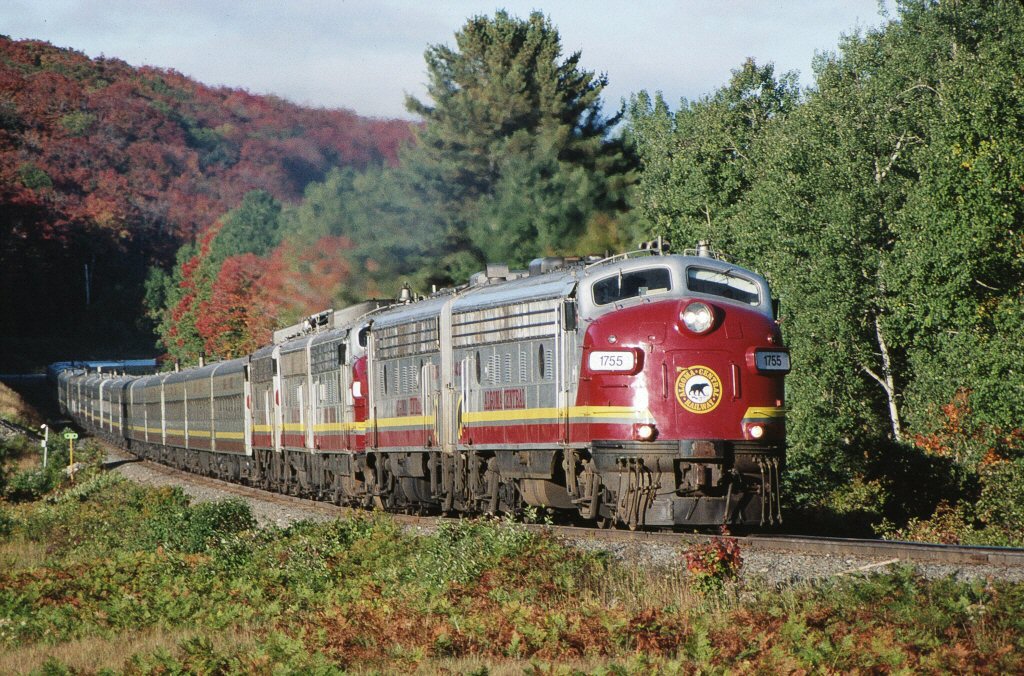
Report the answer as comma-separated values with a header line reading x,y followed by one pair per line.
x,y
643,390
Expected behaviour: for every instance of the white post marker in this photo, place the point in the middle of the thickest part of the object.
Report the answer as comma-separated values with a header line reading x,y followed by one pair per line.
x,y
46,438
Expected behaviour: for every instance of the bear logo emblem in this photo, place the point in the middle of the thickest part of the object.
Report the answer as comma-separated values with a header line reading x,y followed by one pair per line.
x,y
698,389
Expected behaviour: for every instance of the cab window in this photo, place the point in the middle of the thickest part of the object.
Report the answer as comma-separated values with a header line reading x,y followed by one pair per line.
x,y
631,284
723,284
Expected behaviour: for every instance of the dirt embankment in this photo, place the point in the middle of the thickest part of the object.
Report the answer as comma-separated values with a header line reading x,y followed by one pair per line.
x,y
14,407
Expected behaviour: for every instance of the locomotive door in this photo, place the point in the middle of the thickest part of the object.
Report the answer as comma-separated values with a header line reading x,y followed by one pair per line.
x,y
430,398
567,367
276,418
346,397
447,425
247,412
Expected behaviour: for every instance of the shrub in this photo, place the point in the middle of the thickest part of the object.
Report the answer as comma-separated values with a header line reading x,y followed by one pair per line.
x,y
7,523
461,550
1001,505
190,530
11,448
31,484
713,563
949,525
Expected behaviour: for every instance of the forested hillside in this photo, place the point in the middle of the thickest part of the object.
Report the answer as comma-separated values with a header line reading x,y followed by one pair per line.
x,y
514,159
106,169
886,205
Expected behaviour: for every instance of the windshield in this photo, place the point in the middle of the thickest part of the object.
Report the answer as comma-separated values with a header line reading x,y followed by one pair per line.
x,y
631,284
718,283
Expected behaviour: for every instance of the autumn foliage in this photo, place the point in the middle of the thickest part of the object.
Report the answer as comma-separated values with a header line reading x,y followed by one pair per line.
x,y
106,169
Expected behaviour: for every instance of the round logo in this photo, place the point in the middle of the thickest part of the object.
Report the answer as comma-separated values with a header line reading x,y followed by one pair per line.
x,y
698,389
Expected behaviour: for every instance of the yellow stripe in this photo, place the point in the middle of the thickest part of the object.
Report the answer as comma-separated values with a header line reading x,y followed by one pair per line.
x,y
230,435
765,412
609,412
538,414
177,433
511,414
406,421
574,412
340,427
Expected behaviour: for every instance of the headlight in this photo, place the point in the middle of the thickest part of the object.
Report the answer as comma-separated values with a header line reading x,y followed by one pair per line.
x,y
645,432
697,317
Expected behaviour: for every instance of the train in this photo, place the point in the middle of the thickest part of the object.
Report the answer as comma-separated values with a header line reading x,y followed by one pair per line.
x,y
641,390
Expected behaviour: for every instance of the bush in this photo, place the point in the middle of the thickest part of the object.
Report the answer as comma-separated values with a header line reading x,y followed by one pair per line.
x,y
7,523
175,526
1001,505
713,563
11,448
461,550
949,525
32,484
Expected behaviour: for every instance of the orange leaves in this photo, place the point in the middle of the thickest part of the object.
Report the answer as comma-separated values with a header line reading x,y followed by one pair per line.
x,y
964,438
712,563
239,315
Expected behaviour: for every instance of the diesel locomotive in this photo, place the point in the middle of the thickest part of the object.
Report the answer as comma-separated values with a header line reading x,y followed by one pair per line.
x,y
641,390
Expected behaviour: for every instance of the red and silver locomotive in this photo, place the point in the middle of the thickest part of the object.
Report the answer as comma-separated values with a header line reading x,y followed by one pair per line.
x,y
644,390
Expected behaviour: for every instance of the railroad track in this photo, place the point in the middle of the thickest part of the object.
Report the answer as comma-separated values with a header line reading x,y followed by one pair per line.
x,y
884,552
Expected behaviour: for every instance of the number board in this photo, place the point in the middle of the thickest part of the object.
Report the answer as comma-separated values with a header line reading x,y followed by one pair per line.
x,y
771,361
611,361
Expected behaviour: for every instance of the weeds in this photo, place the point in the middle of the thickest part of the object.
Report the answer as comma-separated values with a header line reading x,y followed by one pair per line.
x,y
216,595
714,563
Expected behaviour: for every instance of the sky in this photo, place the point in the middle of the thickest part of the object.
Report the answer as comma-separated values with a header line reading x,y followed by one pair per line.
x,y
366,55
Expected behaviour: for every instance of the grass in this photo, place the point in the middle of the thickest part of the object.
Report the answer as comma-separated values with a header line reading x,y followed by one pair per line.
x,y
94,653
111,576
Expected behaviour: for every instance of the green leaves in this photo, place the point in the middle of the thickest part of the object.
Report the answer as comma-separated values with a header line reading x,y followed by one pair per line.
x,y
514,154
885,207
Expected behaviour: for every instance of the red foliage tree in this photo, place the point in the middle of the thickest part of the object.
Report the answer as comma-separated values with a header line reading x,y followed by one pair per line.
x,y
240,313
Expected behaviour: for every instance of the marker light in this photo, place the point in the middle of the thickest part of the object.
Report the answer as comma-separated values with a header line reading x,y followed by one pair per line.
x,y
756,431
697,317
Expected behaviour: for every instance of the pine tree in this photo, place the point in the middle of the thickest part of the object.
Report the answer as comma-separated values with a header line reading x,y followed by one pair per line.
x,y
514,152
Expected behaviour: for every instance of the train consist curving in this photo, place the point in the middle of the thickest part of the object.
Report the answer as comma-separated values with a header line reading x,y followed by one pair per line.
x,y
643,390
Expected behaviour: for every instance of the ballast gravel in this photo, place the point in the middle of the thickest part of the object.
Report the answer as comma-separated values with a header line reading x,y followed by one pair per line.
x,y
776,569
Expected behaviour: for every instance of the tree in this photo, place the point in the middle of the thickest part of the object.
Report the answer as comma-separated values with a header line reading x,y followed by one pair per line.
x,y
239,316
699,162
514,153
884,206
886,211
252,227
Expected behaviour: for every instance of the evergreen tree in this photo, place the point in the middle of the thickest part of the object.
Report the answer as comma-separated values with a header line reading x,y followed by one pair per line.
x,y
252,227
514,153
